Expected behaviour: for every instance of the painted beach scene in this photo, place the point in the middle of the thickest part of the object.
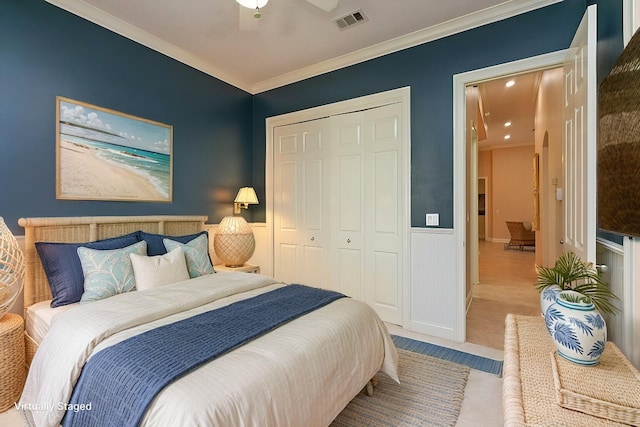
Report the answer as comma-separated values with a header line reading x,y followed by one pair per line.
x,y
106,155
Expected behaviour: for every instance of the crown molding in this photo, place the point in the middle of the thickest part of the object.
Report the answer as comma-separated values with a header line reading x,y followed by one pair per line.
x,y
496,13
125,29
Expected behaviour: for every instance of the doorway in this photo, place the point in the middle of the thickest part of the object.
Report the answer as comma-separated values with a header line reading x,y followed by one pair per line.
x,y
511,274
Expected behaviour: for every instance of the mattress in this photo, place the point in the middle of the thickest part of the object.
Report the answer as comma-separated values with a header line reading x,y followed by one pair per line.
x,y
39,318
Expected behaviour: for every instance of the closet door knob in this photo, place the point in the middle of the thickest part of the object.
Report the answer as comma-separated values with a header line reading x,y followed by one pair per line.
x,y
313,238
348,240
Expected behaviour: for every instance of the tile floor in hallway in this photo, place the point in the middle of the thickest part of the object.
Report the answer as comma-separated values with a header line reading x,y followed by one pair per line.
x,y
507,279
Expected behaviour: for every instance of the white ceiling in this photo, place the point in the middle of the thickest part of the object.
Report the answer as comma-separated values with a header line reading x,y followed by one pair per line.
x,y
515,104
294,39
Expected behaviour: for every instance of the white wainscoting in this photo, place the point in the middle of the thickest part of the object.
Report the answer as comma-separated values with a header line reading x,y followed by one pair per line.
x,y
631,299
433,282
612,255
623,281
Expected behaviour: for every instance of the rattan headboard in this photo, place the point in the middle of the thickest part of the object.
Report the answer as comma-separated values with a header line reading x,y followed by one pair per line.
x,y
87,229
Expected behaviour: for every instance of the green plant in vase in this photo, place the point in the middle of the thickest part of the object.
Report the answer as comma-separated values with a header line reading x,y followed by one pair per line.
x,y
572,273
573,296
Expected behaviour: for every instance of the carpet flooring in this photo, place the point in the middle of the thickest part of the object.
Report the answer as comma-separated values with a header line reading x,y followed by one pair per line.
x,y
430,393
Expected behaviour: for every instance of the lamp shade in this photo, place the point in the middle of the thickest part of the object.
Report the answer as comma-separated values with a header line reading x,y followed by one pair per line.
x,y
233,241
11,269
247,196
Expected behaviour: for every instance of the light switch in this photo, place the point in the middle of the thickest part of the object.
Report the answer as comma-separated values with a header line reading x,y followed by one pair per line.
x,y
433,219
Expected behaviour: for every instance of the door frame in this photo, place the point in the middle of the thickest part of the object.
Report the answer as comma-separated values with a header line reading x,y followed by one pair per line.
x,y
460,83
400,95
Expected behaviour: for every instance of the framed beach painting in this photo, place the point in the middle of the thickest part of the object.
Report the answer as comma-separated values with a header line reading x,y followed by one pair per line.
x,y
103,154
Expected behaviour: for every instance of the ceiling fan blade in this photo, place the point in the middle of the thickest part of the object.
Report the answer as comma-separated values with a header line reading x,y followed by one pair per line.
x,y
326,5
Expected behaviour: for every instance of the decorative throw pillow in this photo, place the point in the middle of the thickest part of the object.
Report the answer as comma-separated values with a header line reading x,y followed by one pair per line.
x,y
155,245
155,271
196,252
108,272
63,269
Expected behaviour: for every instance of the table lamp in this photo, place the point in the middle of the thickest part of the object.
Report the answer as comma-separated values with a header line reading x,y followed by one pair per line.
x,y
234,242
11,269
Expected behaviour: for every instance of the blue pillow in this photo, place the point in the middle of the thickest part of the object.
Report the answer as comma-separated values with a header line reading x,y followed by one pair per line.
x,y
63,269
108,272
196,253
155,244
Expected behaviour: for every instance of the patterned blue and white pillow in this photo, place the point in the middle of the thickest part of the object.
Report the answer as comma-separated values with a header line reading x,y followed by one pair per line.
x,y
196,253
108,272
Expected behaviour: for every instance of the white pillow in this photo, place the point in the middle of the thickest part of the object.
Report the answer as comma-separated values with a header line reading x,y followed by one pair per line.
x,y
155,271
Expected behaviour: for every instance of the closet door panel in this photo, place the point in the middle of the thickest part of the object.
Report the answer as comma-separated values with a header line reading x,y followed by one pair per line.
x,y
347,211
386,279
383,193
314,224
286,201
348,263
300,207
287,262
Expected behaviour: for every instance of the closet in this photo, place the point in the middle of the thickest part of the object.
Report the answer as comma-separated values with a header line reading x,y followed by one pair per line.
x,y
338,203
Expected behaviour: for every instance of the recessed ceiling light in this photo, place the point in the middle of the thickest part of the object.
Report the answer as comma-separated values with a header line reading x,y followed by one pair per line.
x,y
507,124
507,137
510,83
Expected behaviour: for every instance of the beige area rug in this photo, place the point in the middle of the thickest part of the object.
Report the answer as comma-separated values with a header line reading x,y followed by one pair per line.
x,y
430,394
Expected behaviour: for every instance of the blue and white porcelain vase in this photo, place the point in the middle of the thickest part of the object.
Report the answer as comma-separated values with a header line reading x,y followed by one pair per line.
x,y
577,328
548,296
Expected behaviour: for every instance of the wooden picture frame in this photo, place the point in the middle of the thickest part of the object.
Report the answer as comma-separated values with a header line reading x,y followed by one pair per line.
x,y
536,192
102,154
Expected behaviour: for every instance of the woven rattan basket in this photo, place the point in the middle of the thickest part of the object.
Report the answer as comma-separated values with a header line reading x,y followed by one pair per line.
x,y
619,144
610,390
12,368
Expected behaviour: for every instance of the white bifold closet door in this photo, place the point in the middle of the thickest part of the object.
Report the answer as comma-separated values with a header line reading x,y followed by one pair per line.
x,y
338,206
301,220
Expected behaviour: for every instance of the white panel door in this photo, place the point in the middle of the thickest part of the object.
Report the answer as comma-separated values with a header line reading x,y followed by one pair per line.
x,y
579,142
383,189
347,200
300,188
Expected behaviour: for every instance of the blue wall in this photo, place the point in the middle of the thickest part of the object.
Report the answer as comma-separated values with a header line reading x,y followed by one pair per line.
x,y
45,52
429,70
218,129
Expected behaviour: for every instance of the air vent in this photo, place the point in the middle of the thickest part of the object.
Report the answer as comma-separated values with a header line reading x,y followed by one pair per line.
x,y
354,18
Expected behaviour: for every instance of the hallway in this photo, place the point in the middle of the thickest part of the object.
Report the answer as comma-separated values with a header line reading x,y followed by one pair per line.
x,y
506,285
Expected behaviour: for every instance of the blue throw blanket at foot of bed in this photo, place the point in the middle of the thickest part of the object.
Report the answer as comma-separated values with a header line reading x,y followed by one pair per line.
x,y
128,375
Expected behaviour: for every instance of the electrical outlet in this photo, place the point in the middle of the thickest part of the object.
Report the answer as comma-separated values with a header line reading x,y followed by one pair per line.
x,y
433,219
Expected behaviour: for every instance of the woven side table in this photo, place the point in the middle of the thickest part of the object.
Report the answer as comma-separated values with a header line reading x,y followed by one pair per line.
x,y
12,367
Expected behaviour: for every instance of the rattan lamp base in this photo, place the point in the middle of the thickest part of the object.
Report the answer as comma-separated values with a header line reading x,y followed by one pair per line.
x,y
233,241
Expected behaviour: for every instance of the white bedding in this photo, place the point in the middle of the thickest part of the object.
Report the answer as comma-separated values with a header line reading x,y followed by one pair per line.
x,y
302,373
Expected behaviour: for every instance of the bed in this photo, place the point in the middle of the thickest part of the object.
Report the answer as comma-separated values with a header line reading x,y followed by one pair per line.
x,y
303,372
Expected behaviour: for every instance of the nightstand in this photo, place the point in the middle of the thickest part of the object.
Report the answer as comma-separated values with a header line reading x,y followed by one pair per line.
x,y
12,367
247,268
